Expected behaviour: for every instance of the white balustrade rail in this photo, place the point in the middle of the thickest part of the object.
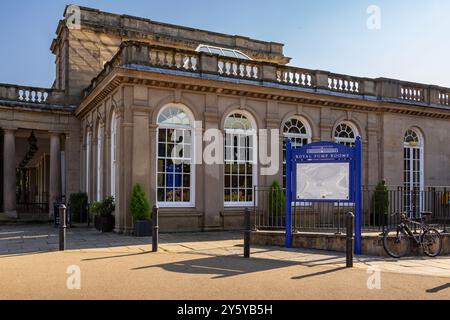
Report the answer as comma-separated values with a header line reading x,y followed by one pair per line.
x,y
295,76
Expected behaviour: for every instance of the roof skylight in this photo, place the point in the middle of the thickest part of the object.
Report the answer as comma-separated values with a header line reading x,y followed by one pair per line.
x,y
223,52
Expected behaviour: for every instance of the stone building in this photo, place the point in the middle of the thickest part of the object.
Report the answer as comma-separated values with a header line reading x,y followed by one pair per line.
x,y
128,88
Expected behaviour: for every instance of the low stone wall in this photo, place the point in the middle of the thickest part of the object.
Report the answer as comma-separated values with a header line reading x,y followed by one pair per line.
x,y
372,245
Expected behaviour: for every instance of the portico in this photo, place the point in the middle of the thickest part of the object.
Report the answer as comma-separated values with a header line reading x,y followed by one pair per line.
x,y
35,144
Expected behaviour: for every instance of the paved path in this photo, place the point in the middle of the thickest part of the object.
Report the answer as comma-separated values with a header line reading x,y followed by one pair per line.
x,y
23,239
199,266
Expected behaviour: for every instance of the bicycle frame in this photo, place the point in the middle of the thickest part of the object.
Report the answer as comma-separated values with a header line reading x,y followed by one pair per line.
x,y
422,227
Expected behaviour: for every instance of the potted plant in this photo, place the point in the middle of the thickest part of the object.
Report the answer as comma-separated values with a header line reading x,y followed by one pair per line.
x,y
104,220
140,210
380,204
78,203
277,203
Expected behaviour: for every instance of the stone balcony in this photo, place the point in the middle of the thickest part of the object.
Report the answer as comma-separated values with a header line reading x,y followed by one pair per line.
x,y
31,96
136,55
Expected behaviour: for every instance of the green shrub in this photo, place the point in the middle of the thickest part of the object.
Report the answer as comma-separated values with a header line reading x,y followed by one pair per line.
x,y
277,199
380,200
78,202
104,208
139,206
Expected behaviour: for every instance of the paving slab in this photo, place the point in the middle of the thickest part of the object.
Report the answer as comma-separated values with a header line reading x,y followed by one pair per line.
x,y
29,239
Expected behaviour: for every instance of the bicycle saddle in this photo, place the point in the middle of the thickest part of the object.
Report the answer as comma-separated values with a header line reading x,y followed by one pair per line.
x,y
426,213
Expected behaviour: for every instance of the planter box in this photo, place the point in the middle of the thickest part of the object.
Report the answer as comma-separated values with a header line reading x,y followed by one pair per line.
x,y
104,224
143,228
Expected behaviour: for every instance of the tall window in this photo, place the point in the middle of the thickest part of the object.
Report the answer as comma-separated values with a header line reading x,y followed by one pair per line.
x,y
299,133
99,162
240,159
175,181
345,134
113,154
413,171
88,161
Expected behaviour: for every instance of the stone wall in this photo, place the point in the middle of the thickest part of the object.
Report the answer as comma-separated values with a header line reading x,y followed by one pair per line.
x,y
372,245
80,54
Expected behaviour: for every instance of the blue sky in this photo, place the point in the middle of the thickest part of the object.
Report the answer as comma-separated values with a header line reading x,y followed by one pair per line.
x,y
412,44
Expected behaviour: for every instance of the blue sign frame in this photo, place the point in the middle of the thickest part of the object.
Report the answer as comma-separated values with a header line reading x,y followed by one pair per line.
x,y
325,152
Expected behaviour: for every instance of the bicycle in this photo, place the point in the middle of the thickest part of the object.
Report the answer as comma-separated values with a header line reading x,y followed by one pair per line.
x,y
397,241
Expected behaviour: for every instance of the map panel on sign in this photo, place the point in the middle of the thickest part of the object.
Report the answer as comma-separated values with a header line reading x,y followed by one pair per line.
x,y
323,181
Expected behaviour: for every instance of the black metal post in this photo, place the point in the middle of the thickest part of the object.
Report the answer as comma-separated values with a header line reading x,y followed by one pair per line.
x,y
446,206
88,210
247,233
350,239
155,232
62,227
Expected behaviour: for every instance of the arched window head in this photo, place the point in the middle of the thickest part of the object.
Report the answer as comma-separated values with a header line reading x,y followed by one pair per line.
x,y
238,121
175,115
345,134
298,131
411,138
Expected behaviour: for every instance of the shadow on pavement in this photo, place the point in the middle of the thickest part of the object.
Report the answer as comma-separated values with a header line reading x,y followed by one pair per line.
x,y
320,273
440,288
229,266
36,239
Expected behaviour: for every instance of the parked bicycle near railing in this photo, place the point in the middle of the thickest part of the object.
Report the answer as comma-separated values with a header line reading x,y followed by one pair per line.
x,y
397,240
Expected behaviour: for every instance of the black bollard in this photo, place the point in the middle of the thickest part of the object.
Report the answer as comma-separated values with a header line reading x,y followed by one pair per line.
x,y
350,238
247,233
155,232
62,227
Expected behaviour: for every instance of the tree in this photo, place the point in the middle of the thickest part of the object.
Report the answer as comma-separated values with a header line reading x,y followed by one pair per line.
x,y
139,205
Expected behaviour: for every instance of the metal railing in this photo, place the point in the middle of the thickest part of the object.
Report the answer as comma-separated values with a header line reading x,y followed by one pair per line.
x,y
32,208
378,210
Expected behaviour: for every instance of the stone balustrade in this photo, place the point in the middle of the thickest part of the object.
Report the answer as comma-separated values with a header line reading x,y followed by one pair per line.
x,y
295,76
233,67
412,93
444,98
31,94
137,53
343,83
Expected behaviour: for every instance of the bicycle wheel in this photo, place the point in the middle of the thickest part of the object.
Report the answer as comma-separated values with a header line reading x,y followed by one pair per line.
x,y
396,243
432,242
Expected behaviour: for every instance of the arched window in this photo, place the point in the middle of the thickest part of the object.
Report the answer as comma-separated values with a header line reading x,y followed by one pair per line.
x,y
240,159
88,161
113,154
99,162
175,168
413,171
345,134
299,132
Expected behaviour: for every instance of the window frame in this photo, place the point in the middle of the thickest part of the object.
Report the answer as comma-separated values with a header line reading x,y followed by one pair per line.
x,y
113,155
192,128
250,132
412,184
99,164
88,162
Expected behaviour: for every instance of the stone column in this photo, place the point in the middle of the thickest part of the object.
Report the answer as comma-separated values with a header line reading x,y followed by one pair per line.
x,y
326,124
212,194
55,170
9,173
141,149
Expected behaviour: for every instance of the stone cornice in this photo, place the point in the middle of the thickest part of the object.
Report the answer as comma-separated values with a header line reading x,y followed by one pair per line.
x,y
223,86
